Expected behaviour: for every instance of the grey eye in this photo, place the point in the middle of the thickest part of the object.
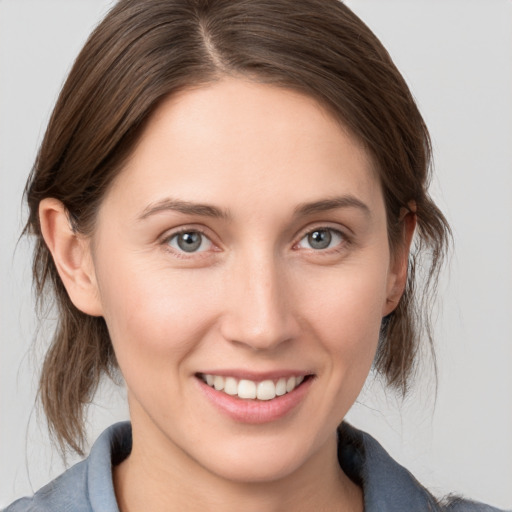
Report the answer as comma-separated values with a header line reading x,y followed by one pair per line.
x,y
190,241
321,239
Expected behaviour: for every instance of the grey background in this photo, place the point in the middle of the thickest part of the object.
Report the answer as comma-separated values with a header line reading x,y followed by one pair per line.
x,y
457,57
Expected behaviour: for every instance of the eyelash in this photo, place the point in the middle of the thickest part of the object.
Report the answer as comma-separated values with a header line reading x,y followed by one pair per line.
x,y
166,241
341,245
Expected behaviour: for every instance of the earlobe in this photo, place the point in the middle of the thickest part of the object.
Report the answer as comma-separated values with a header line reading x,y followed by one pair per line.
x,y
71,255
397,279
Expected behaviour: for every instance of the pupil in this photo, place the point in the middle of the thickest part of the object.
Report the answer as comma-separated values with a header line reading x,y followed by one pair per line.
x,y
189,242
320,239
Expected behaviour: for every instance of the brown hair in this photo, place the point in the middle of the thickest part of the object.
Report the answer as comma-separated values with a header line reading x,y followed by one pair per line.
x,y
145,50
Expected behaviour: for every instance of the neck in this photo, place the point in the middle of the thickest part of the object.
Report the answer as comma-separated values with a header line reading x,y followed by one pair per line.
x,y
157,479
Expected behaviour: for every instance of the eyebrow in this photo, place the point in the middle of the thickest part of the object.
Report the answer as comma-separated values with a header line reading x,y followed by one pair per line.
x,y
186,207
334,203
207,210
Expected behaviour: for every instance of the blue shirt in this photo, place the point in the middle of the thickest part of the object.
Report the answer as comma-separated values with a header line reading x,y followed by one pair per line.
x,y
387,486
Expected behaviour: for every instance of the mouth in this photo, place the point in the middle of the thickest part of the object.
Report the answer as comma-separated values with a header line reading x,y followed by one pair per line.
x,y
263,390
255,398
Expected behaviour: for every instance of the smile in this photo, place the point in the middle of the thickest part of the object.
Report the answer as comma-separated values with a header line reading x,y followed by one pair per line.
x,y
249,389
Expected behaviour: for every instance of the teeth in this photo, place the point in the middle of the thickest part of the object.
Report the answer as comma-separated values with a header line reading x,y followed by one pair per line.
x,y
281,387
218,382
248,389
266,390
230,386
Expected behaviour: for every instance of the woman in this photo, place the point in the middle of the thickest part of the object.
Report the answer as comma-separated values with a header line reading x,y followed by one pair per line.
x,y
224,205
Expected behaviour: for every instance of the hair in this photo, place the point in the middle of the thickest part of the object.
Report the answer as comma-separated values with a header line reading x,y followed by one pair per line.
x,y
145,50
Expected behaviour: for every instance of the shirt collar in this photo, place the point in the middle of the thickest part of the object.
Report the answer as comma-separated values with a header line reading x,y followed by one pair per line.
x,y
387,486
112,447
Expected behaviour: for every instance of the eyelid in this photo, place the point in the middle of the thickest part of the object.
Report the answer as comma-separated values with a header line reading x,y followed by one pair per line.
x,y
168,235
164,239
347,239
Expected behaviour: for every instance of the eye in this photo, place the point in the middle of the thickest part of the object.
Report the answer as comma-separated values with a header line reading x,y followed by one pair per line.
x,y
321,239
189,241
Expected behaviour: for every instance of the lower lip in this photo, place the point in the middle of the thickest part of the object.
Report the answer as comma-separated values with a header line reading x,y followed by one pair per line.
x,y
256,411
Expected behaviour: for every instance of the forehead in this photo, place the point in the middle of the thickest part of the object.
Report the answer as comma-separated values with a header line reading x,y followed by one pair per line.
x,y
238,142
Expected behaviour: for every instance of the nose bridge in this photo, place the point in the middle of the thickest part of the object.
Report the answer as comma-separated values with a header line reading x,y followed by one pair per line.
x,y
259,313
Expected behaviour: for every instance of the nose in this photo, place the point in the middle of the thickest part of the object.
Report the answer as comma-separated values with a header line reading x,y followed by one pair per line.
x,y
258,304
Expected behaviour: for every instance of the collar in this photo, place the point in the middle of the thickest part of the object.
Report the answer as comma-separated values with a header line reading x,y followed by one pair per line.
x,y
387,486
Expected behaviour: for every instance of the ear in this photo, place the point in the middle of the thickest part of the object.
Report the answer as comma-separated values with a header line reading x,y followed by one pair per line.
x,y
397,277
71,253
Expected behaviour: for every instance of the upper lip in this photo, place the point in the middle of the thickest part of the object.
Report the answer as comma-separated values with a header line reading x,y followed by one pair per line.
x,y
256,376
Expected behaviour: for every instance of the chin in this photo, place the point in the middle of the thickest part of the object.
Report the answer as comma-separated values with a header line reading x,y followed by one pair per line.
x,y
258,461
250,471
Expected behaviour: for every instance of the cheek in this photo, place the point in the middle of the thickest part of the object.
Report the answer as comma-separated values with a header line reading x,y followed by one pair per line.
x,y
156,315
344,310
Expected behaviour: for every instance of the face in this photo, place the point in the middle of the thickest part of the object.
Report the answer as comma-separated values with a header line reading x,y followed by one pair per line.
x,y
242,266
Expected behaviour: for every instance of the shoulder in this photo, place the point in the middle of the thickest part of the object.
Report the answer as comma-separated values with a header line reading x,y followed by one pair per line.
x,y
88,485
388,486
457,504
67,492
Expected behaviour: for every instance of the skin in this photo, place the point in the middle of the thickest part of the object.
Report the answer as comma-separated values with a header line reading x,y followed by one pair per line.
x,y
256,296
